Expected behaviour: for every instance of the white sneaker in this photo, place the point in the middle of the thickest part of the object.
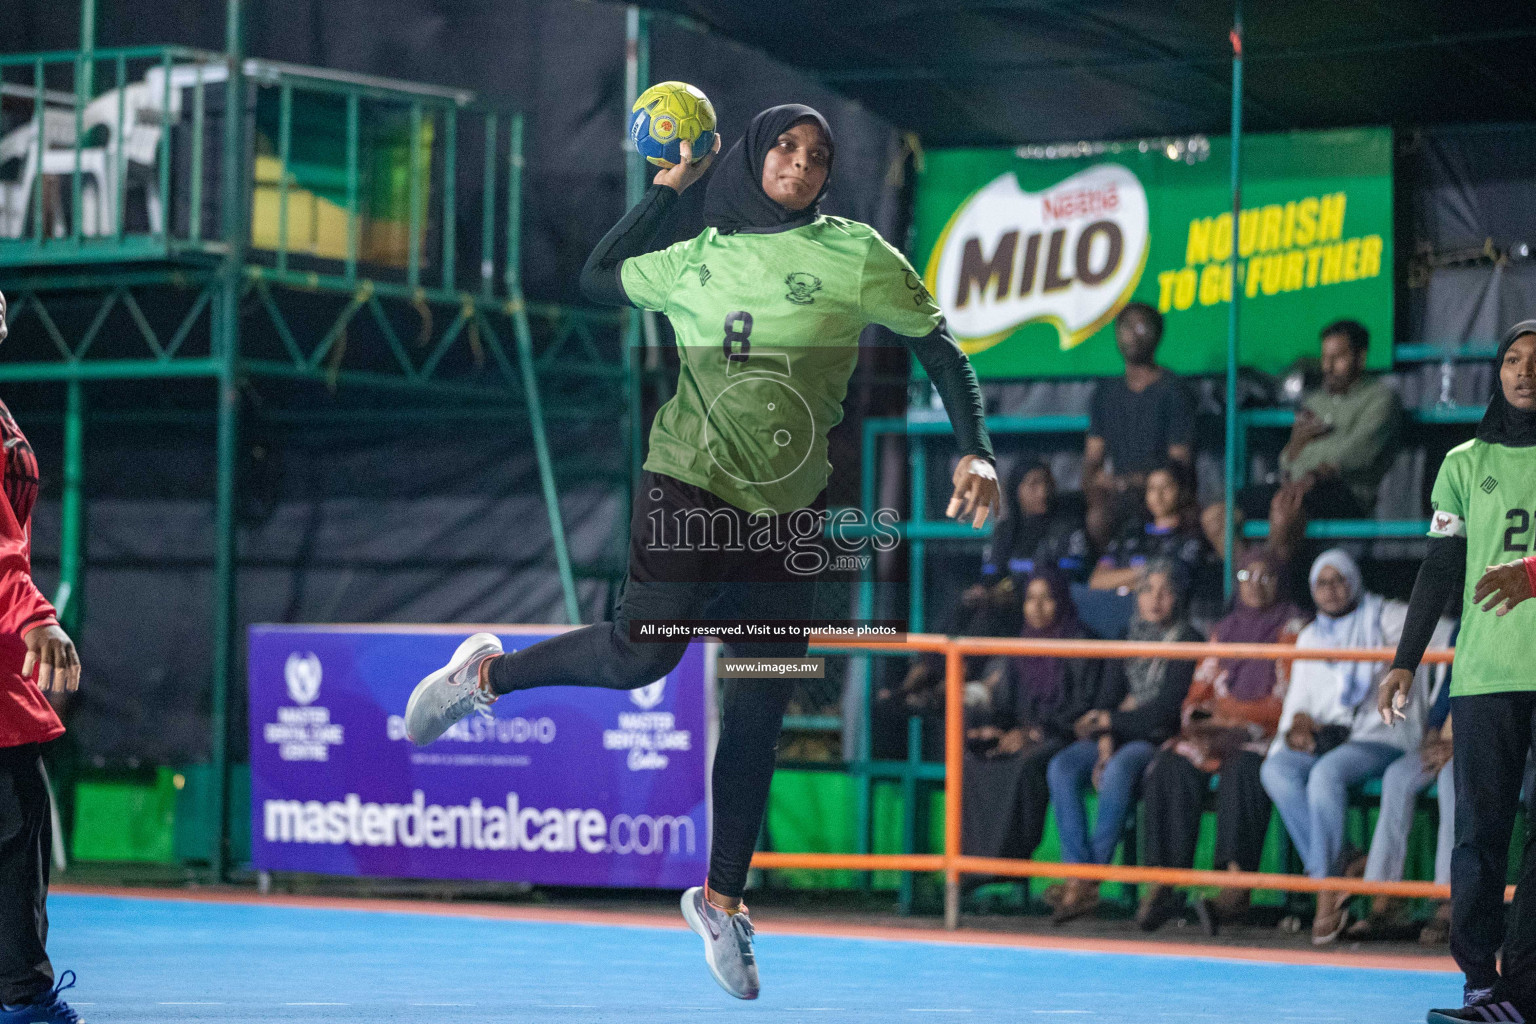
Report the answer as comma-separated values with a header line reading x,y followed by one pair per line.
x,y
452,692
727,943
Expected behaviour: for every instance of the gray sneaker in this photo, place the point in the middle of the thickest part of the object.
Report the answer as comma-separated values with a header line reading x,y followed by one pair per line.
x,y
452,692
727,943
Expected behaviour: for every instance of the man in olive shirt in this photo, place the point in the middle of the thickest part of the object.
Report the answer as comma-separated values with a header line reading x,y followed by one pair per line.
x,y
1345,436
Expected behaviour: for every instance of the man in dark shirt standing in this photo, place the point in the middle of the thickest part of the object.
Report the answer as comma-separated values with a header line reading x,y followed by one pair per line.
x,y
1135,424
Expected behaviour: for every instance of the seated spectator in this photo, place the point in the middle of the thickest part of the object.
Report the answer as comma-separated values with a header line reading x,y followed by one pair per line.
x,y
1342,443
920,695
1401,785
1039,527
1138,710
1230,715
1135,424
1025,716
1330,737
1170,528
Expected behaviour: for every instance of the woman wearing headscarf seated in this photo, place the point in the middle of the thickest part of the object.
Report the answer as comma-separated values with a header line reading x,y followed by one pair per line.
x,y
1138,711
1039,529
1017,719
1170,528
1230,716
1330,738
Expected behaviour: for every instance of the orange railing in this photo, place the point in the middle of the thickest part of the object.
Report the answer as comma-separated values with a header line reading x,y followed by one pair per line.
x,y
953,863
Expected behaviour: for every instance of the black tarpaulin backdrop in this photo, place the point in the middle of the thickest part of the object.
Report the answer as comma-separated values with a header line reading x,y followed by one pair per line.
x,y
1000,72
1471,198
335,525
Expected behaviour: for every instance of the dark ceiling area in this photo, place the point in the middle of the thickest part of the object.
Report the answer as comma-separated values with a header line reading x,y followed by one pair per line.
x,y
985,72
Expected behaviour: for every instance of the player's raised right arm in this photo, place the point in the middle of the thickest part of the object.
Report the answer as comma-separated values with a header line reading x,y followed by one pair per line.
x,y
632,235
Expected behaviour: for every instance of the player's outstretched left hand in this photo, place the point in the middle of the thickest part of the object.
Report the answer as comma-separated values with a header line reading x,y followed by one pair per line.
x,y
976,492
1502,587
52,653
1392,695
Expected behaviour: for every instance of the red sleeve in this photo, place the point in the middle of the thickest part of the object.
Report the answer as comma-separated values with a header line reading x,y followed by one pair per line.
x,y
22,605
25,714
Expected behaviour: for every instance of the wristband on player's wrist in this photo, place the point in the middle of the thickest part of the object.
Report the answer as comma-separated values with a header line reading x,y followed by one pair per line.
x,y
1529,562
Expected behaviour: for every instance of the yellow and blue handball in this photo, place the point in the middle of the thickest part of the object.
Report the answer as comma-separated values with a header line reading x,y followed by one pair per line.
x,y
665,115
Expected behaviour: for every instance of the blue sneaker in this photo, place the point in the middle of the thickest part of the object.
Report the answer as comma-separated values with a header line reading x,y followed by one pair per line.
x,y
50,1009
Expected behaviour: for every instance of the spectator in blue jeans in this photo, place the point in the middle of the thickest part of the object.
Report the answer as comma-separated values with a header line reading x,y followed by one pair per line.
x,y
1330,737
1139,709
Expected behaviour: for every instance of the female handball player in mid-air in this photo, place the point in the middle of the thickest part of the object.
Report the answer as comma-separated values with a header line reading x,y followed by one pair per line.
x,y
767,305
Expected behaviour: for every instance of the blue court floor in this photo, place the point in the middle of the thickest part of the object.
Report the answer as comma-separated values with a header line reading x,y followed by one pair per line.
x,y
152,960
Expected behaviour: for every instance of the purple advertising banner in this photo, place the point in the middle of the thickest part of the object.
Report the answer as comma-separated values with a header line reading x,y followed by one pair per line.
x,y
563,786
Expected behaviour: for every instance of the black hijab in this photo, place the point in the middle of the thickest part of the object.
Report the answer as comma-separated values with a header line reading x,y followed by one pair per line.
x,y
735,200
1018,534
1503,423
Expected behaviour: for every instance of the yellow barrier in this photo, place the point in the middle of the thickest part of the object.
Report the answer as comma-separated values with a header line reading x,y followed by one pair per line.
x,y
954,864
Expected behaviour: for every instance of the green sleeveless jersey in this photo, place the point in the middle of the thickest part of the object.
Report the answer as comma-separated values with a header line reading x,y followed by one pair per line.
x,y
767,331
1487,494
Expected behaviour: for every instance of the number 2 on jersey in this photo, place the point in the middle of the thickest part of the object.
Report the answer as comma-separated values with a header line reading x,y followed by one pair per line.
x,y
1514,537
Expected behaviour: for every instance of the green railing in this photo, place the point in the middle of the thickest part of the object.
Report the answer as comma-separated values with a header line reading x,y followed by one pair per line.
x,y
920,428
314,235
119,159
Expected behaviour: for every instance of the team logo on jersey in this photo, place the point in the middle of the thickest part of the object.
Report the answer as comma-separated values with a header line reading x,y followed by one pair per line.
x,y
704,274
1489,485
802,288
1447,524
920,296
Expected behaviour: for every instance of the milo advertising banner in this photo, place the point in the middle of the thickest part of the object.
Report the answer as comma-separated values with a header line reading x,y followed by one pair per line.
x,y
1032,259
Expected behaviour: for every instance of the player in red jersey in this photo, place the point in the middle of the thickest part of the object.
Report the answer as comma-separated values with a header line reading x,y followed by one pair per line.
x,y
36,658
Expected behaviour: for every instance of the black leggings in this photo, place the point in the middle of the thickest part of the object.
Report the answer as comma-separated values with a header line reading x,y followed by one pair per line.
x,y
1494,735
26,843
712,583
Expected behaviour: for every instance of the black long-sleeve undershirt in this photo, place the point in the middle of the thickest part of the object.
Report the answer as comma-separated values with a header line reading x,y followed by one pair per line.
x,y
1442,574
631,236
955,380
939,354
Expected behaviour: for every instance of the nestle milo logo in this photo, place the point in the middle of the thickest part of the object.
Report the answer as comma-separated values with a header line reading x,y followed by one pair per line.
x,y
1069,255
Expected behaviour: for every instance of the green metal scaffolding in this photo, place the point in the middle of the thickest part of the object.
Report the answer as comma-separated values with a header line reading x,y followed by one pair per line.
x,y
213,274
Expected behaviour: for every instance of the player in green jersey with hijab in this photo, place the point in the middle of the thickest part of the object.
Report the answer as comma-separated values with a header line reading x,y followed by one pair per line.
x,y
767,304
1483,502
